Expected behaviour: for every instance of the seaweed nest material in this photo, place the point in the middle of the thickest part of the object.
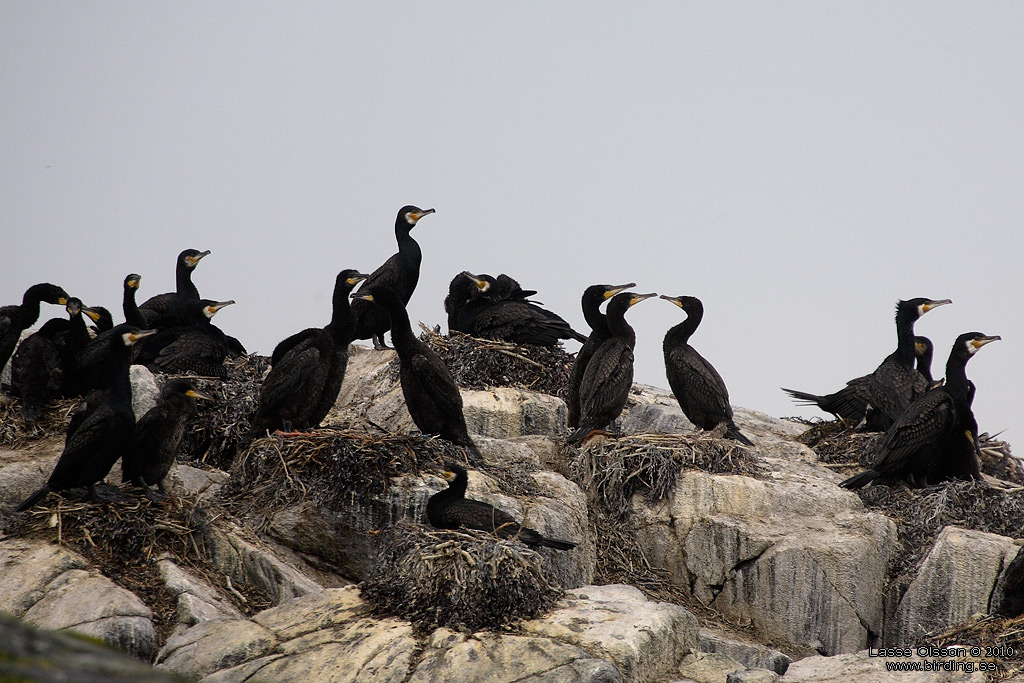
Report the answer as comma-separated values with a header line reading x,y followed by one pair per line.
x,y
53,422
1001,633
460,579
835,443
484,363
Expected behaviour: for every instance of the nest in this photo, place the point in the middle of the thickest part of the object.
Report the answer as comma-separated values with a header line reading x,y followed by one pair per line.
x,y
486,363
836,443
988,631
459,579
998,461
53,422
615,470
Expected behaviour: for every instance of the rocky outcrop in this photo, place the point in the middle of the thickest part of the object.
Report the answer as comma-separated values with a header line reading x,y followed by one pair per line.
x,y
861,667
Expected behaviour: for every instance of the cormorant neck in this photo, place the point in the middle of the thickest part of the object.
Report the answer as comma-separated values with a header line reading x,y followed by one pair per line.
x,y
183,282
956,375
343,321
684,330
592,313
618,326
905,337
457,488
401,330
408,248
132,314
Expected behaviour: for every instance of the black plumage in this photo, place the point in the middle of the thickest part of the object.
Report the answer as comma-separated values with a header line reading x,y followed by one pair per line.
x,y
935,439
199,347
99,432
101,318
696,383
609,374
400,273
308,368
462,289
70,342
37,372
515,320
16,319
431,395
591,301
450,509
132,314
171,308
158,434
923,352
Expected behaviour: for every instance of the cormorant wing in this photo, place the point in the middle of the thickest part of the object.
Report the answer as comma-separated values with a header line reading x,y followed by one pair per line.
x,y
290,342
290,373
703,383
608,377
436,383
919,431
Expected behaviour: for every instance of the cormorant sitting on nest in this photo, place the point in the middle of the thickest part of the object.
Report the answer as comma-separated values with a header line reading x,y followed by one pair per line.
x,y
431,395
70,342
158,435
199,347
100,430
37,373
101,318
461,289
450,509
609,375
132,314
514,320
308,368
591,301
170,309
401,272
695,382
936,437
16,319
851,403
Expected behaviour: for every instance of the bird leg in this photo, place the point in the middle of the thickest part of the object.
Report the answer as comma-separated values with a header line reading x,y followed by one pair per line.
x,y
378,342
148,492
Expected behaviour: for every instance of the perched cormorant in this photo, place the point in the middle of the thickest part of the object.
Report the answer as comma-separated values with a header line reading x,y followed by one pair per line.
x,y
132,314
591,301
514,320
199,347
16,319
69,342
101,318
158,435
450,509
401,272
170,309
935,439
695,382
99,432
37,373
431,395
609,374
851,403
308,368
461,289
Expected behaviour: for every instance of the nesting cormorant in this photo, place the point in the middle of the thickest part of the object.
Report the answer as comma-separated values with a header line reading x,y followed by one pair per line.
x,y
591,301
69,342
170,309
609,374
16,319
101,318
401,273
450,509
935,439
158,435
695,382
431,395
99,432
514,320
308,368
461,289
132,314
199,347
37,373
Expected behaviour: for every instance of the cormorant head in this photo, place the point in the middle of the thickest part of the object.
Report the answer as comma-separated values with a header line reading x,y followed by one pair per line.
x,y
44,291
690,304
484,283
183,386
132,335
452,471
210,308
411,214
132,281
350,277
922,346
915,308
973,341
73,305
190,257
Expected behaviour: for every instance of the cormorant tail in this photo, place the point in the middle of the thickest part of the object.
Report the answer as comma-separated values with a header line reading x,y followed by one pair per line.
x,y
807,399
860,480
733,432
581,338
556,543
33,499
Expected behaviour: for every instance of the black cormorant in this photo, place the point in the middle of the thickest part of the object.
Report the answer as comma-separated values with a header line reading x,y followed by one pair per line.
x,y
401,272
591,301
450,509
16,319
935,439
514,320
101,318
609,375
37,372
461,289
695,382
158,435
132,314
69,342
431,395
308,368
170,309
199,347
99,432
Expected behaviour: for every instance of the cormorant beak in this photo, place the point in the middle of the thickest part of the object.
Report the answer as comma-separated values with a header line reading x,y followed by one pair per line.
x,y
62,301
365,296
133,337
929,305
978,342
637,298
482,285
919,348
414,216
93,315
212,309
73,307
617,289
194,393
133,281
672,299
193,260
356,279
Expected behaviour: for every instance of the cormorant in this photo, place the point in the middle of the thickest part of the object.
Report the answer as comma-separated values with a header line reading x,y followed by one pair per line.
x,y
609,374
199,347
695,382
170,309
158,435
591,301
935,439
132,314
401,272
514,320
37,373
431,395
69,342
923,352
99,432
851,403
308,368
101,318
450,509
16,319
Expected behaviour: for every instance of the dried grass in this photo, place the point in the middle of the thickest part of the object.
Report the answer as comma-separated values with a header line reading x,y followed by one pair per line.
x,y
53,422
988,631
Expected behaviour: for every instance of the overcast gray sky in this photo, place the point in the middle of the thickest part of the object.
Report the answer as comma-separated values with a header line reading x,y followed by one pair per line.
x,y
797,166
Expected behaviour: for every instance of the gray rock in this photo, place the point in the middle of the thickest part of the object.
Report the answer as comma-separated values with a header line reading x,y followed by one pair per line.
x,y
708,667
752,676
197,600
860,667
215,645
145,391
750,655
